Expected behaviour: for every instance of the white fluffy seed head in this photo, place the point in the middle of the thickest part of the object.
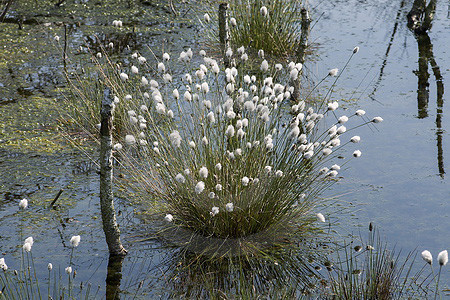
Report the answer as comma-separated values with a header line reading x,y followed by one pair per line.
x,y
75,241
333,72
377,120
203,172
355,139
426,255
23,204
443,258
199,187
320,217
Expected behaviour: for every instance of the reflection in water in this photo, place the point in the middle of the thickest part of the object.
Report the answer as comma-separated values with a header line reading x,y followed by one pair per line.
x,y
420,20
114,276
248,267
391,41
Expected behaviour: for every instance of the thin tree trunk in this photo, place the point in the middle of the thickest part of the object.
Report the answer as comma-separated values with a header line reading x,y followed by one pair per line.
x,y
301,51
110,227
224,32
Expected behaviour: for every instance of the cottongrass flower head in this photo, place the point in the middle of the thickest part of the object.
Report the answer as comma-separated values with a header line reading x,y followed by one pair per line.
x,y
214,211
23,204
333,72
263,11
229,207
49,266
29,240
320,217
357,153
443,258
75,241
27,247
199,187
377,120
3,265
168,218
426,255
68,270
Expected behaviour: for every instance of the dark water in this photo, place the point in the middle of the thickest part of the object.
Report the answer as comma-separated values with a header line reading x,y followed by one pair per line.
x,y
400,182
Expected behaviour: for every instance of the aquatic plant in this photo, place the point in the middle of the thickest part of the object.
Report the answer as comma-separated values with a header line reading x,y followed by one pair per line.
x,y
370,270
226,153
271,26
23,283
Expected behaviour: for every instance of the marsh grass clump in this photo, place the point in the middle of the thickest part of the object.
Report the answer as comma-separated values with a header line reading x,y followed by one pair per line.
x,y
225,154
370,270
271,26
24,282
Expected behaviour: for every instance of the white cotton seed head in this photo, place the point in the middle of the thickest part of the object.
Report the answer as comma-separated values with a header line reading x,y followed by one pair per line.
x,y
426,255
326,151
176,94
377,120
233,22
29,240
355,50
230,131
355,139
75,241
333,106
118,147
168,218
279,173
180,178
443,258
205,141
27,247
130,139
123,76
245,180
68,270
175,139
343,119
360,112
214,210
264,66
134,70
335,167
341,129
23,204
333,173
357,153
320,217
218,187
333,72
207,18
199,187
263,11
203,172
187,96
49,266
308,154
293,75
166,56
229,207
